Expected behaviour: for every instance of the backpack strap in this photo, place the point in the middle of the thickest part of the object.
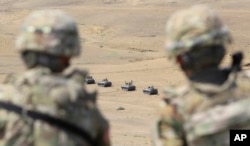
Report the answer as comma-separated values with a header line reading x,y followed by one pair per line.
x,y
56,122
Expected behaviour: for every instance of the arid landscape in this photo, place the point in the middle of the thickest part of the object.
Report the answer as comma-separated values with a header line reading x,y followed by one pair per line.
x,y
123,40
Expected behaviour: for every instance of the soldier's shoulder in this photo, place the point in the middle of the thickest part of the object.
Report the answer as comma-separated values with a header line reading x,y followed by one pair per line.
x,y
70,87
76,74
243,81
9,93
243,77
244,74
10,78
30,75
171,93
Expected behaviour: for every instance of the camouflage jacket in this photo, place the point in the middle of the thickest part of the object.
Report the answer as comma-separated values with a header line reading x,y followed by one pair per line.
x,y
202,114
54,94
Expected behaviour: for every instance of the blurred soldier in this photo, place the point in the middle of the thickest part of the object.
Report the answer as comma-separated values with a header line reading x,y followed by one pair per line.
x,y
215,100
44,106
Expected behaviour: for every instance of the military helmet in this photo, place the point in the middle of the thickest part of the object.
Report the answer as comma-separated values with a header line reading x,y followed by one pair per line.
x,y
49,31
192,27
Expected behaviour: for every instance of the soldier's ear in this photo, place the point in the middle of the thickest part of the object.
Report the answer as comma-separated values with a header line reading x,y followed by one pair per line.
x,y
179,60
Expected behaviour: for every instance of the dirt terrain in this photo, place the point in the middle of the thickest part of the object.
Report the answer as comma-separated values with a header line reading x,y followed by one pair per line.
x,y
123,40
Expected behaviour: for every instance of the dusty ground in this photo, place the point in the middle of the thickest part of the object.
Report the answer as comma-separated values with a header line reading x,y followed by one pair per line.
x,y
122,40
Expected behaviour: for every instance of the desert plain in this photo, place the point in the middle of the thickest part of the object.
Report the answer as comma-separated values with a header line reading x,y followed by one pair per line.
x,y
123,40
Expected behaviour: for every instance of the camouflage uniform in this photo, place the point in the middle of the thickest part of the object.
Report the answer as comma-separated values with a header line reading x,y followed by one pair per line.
x,y
63,96
214,101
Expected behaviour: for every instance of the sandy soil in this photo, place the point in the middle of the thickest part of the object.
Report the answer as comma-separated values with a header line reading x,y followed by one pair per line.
x,y
123,40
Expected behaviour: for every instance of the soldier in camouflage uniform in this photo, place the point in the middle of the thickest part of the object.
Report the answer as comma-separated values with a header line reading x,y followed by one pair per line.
x,y
47,41
214,100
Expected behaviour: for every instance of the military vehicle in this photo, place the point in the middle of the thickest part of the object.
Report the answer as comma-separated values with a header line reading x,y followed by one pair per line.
x,y
150,90
128,86
90,80
105,83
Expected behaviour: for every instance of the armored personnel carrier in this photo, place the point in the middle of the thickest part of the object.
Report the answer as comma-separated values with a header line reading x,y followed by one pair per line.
x,y
105,83
128,86
150,90
90,80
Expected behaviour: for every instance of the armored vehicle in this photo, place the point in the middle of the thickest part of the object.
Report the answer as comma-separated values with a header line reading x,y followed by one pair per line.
x,y
150,90
90,80
105,83
128,86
